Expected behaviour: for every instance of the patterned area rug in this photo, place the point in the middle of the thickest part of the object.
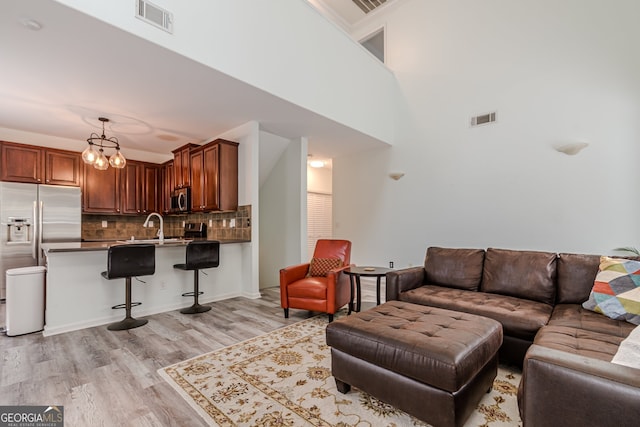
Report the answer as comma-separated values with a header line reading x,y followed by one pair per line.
x,y
284,378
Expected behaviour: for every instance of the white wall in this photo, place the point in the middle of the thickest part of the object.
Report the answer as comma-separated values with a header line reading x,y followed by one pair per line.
x,y
283,215
555,72
284,47
319,180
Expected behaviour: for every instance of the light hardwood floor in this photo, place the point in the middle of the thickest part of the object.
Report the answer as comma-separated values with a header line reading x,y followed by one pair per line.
x,y
106,378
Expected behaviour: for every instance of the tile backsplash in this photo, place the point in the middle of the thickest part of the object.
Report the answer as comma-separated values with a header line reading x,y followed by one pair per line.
x,y
121,227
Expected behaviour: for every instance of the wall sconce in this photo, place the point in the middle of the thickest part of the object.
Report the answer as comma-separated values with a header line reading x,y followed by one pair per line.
x,y
572,149
396,175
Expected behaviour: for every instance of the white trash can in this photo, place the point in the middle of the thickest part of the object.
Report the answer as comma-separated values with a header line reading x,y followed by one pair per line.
x,y
25,300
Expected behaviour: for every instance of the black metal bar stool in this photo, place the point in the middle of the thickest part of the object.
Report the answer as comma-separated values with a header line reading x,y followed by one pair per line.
x,y
127,261
200,254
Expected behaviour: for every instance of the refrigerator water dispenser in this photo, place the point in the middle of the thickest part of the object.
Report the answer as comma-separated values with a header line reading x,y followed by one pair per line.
x,y
18,230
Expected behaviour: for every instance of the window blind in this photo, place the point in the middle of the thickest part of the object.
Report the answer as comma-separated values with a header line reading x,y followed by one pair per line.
x,y
319,219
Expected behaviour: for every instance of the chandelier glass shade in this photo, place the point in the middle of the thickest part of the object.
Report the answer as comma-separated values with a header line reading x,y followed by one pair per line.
x,y
94,153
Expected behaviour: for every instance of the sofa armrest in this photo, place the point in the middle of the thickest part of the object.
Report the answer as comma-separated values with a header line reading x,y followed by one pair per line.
x,y
564,389
402,280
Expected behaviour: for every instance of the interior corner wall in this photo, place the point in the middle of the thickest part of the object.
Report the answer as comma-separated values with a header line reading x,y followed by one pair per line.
x,y
555,73
283,216
247,137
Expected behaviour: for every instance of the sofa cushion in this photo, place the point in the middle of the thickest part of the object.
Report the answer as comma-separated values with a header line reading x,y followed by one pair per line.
x,y
520,318
575,316
576,274
523,274
579,341
616,290
455,268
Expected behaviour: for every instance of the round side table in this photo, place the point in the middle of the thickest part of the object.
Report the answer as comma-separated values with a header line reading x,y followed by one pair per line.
x,y
357,272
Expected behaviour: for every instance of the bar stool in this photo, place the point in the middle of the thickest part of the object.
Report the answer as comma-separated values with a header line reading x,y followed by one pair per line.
x,y
126,261
200,254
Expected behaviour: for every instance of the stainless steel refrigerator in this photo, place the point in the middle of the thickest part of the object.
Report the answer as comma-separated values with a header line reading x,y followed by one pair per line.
x,y
32,214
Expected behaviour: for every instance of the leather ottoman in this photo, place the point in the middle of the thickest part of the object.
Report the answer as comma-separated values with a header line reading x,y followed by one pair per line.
x,y
432,363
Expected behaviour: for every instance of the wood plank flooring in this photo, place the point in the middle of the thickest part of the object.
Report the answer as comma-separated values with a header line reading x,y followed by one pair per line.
x,y
107,378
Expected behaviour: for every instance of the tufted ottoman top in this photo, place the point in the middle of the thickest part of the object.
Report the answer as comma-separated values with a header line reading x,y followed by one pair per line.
x,y
442,348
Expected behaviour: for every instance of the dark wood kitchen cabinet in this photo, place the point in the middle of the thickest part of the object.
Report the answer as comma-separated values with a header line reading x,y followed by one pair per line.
x,y
151,188
139,188
62,167
100,190
131,177
182,165
168,185
197,181
214,177
32,164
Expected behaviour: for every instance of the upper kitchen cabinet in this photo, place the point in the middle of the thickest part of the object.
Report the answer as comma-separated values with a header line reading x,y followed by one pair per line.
x,y
150,201
139,190
168,185
62,167
214,177
101,190
197,181
182,165
31,164
131,178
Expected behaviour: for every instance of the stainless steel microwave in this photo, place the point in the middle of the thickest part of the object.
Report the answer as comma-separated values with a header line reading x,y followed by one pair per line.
x,y
181,200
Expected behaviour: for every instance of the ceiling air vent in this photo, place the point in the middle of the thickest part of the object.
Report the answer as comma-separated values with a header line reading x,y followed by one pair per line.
x,y
154,15
368,5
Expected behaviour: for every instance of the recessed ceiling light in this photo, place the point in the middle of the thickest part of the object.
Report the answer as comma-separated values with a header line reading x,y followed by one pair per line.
x,y
316,163
31,24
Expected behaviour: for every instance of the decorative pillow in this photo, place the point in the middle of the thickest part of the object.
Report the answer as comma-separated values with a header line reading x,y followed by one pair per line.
x,y
628,353
321,266
616,291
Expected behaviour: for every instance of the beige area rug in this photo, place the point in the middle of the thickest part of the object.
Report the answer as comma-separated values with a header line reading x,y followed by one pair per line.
x,y
284,378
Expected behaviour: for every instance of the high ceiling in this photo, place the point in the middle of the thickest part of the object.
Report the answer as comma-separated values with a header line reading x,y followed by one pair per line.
x,y
59,79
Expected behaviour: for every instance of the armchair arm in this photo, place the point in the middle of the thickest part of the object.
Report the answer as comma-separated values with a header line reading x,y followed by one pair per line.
x,y
402,280
564,389
289,275
338,288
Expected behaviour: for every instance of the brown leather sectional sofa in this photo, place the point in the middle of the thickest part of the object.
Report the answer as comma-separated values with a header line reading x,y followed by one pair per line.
x,y
565,350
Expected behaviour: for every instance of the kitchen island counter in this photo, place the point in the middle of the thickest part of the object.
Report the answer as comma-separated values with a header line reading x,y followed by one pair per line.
x,y
104,245
78,297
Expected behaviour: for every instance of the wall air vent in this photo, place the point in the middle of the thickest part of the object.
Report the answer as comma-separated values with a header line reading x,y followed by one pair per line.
x,y
368,5
154,15
483,119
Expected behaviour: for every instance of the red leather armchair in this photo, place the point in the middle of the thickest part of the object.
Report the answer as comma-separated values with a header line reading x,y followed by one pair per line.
x,y
325,294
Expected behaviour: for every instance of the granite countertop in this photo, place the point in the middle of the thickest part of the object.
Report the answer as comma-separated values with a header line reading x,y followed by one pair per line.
x,y
104,245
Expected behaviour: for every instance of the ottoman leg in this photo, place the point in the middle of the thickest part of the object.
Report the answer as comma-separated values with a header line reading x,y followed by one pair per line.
x,y
342,387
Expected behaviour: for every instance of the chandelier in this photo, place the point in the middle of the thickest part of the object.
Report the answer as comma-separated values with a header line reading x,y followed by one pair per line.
x,y
97,158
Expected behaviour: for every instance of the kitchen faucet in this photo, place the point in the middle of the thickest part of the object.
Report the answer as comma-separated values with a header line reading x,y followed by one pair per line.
x,y
160,230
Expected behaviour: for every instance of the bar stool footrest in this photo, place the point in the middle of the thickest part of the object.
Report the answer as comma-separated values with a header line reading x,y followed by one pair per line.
x,y
119,306
191,294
